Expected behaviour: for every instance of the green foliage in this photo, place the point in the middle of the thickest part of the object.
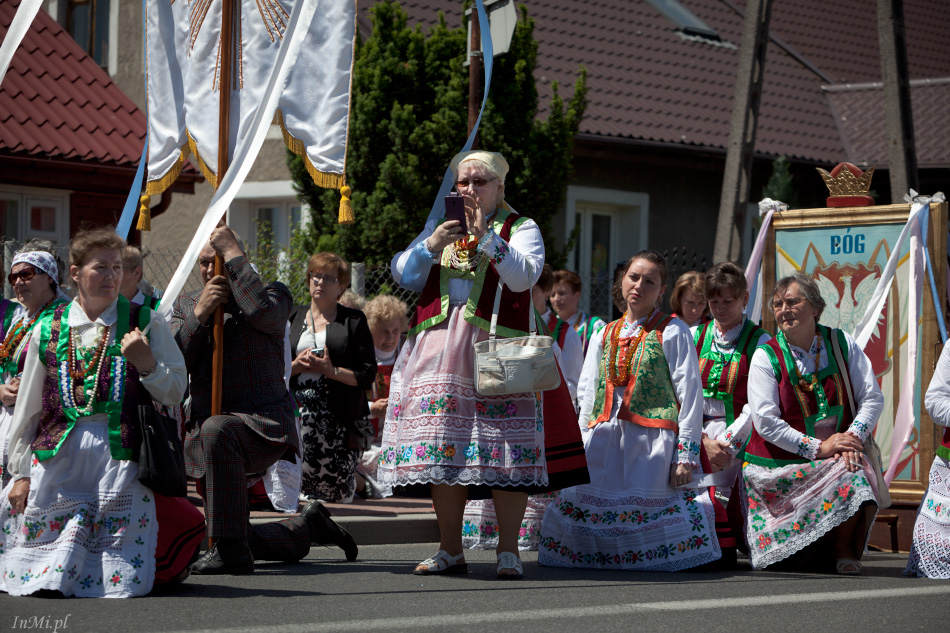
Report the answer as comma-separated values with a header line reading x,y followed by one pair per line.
x,y
408,117
780,186
289,265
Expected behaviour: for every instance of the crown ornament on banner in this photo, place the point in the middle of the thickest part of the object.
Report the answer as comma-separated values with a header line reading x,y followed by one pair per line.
x,y
848,186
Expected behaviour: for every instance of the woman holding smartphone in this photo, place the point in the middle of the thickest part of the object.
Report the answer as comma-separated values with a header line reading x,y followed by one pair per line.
x,y
334,363
440,435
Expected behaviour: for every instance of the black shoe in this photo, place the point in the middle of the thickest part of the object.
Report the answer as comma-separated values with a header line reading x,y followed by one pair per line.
x,y
323,531
228,556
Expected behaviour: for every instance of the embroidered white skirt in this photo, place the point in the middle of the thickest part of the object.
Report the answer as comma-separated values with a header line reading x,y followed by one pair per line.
x,y
629,517
480,523
930,550
438,429
89,528
790,507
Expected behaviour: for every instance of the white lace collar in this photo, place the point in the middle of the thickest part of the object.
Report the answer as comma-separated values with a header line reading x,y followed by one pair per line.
x,y
730,337
77,316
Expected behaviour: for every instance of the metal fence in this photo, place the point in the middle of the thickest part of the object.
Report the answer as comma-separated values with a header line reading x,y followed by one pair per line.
x,y
367,281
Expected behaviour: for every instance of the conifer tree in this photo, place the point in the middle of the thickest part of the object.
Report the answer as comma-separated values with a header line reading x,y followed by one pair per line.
x,y
408,117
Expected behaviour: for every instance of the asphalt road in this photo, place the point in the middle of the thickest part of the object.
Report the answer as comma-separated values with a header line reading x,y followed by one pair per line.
x,y
378,593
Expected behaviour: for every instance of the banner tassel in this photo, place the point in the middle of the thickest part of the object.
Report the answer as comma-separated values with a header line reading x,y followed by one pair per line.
x,y
346,207
145,214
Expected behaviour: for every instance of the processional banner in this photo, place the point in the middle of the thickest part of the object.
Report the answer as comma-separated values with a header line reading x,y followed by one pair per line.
x,y
183,83
845,251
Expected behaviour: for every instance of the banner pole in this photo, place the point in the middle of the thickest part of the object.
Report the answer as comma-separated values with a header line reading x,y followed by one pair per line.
x,y
224,115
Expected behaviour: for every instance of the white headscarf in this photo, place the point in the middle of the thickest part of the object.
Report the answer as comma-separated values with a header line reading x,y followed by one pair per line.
x,y
495,161
45,263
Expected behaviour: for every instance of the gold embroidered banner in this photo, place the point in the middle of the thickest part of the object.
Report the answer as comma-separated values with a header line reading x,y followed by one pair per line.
x,y
183,72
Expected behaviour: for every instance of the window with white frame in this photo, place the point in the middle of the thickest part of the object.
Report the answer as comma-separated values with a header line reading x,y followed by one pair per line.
x,y
275,219
612,227
34,213
270,206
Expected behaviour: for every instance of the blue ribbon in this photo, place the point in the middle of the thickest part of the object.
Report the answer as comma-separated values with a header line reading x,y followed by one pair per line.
x,y
488,57
132,202
929,265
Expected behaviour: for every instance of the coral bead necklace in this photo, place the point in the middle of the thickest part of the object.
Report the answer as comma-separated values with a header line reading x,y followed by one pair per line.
x,y
621,353
15,336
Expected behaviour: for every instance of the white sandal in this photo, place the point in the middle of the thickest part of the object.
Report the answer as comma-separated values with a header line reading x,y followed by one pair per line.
x,y
507,562
442,563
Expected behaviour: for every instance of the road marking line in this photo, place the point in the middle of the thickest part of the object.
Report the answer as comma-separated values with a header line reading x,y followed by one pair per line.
x,y
447,620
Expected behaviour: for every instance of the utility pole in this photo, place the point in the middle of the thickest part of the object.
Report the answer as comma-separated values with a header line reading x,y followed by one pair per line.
x,y
745,115
474,75
901,152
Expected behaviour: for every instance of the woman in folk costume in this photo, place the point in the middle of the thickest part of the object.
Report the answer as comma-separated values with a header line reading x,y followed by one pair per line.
x,y
388,321
480,523
641,407
808,488
725,346
75,518
439,432
688,299
35,277
930,549
566,301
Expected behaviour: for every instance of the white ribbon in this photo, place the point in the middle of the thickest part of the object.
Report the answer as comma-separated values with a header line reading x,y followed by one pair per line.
x,y
753,269
906,411
25,14
247,148
868,324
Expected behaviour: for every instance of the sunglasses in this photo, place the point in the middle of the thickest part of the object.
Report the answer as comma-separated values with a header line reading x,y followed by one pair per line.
x,y
26,274
475,182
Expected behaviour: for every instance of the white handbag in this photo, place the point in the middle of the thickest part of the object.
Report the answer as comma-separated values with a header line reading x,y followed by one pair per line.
x,y
521,364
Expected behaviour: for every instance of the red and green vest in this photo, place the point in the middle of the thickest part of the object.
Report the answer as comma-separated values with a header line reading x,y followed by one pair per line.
x,y
118,391
7,310
943,449
14,364
585,329
150,302
513,311
649,398
557,329
801,408
726,378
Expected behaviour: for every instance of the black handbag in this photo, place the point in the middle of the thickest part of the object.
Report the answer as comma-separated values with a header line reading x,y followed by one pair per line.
x,y
161,457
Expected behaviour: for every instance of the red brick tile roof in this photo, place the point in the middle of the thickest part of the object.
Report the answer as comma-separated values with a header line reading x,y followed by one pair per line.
x,y
56,102
646,83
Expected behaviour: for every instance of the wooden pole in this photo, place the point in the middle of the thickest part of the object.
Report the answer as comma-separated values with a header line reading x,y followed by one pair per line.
x,y
474,73
902,157
736,179
224,115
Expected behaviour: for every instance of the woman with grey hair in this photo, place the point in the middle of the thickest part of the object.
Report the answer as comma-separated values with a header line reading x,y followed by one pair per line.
x,y
440,435
809,491
35,276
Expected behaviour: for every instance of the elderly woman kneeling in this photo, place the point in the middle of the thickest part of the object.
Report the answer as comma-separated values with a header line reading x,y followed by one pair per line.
x,y
808,486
